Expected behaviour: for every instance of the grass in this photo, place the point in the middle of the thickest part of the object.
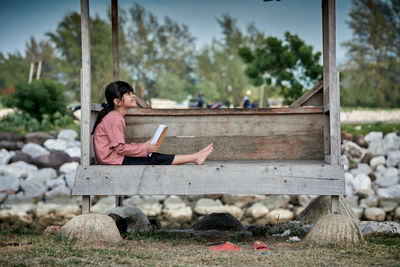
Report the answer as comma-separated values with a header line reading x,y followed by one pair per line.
x,y
160,249
364,129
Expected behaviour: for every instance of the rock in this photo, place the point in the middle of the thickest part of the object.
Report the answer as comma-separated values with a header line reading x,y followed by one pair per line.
x,y
392,192
397,213
393,158
388,205
135,219
376,161
362,168
91,229
11,145
52,230
376,148
335,229
59,191
9,183
5,156
55,183
37,137
390,178
360,140
373,136
54,160
358,212
374,214
34,150
353,151
366,158
352,200
346,136
241,200
360,182
257,210
371,227
18,169
55,213
206,206
19,214
10,137
278,216
32,189
233,210
218,221
150,207
70,179
69,167
276,201
71,144
55,145
19,156
345,162
73,152
67,135
321,205
369,202
176,210
42,175
364,193
348,177
391,141
103,205
380,171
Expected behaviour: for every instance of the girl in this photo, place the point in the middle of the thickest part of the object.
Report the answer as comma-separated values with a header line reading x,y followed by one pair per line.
x,y
109,135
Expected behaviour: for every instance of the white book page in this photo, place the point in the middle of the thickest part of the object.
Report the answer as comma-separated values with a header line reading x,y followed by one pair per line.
x,y
157,135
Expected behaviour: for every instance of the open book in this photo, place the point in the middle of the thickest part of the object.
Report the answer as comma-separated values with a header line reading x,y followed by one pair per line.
x,y
159,135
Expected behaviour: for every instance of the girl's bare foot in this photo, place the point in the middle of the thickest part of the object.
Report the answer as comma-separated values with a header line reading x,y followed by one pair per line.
x,y
203,154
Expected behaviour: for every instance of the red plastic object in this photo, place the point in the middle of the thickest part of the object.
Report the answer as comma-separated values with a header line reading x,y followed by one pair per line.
x,y
228,246
261,246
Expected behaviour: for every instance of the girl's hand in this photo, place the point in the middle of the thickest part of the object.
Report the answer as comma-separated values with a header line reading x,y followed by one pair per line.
x,y
151,148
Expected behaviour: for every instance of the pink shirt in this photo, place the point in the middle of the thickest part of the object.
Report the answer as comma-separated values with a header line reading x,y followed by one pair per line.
x,y
109,141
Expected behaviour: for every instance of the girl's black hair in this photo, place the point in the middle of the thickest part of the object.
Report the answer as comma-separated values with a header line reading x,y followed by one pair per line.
x,y
113,90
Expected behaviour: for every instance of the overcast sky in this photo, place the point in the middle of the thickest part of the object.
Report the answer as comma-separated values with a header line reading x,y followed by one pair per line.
x,y
20,19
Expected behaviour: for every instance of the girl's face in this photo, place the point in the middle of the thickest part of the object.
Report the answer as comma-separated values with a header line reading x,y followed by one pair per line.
x,y
128,100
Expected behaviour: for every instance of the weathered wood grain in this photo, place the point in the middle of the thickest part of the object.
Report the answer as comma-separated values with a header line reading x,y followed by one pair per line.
x,y
311,98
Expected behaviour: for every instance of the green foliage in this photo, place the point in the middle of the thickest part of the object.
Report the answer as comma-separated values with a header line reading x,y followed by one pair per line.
x,y
289,64
13,69
371,77
170,86
209,89
39,98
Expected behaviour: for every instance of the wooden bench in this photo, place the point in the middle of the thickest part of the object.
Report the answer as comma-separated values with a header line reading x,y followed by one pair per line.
x,y
290,150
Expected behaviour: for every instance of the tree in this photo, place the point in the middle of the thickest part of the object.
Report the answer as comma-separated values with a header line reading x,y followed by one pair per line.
x,y
41,51
170,86
14,68
371,77
289,64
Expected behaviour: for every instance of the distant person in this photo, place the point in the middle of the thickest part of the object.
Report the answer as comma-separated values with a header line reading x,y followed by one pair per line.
x,y
200,101
246,102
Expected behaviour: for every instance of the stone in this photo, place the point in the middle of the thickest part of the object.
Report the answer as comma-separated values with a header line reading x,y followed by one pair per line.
x,y
335,229
359,212
364,193
366,158
70,179
397,213
372,227
32,189
348,178
380,171
55,213
276,201
388,205
19,214
360,140
18,169
59,191
352,200
135,219
10,136
375,214
304,200
150,207
353,151
103,205
346,136
257,210
5,156
234,210
392,192
376,148
176,210
376,161
369,202
393,158
391,141
37,137
52,230
345,162
11,145
73,152
278,216
71,144
67,135
360,182
362,168
9,183
321,205
42,175
390,178
54,160
241,200
55,183
218,221
373,136
19,156
55,145
69,167
34,150
206,206
91,229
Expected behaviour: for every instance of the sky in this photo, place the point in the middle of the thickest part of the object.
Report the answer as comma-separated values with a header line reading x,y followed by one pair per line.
x,y
21,19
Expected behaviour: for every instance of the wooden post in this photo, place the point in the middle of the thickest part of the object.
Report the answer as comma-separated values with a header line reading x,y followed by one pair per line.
x,y
261,104
335,204
85,95
31,72
39,70
115,50
118,201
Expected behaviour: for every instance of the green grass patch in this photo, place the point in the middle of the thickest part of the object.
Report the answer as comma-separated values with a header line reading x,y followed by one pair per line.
x,y
364,129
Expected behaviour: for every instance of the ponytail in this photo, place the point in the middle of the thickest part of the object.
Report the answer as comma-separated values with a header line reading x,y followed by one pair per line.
x,y
101,115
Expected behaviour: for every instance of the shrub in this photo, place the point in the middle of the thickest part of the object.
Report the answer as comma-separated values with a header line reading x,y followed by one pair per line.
x,y
39,98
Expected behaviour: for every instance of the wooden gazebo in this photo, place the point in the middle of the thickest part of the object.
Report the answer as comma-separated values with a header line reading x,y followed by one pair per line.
x,y
291,150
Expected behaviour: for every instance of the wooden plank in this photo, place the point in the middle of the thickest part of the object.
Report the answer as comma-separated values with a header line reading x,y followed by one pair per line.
x,y
335,204
85,204
325,56
115,49
210,179
308,95
118,201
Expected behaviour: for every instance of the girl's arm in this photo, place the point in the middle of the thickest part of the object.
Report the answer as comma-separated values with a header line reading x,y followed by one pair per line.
x,y
131,150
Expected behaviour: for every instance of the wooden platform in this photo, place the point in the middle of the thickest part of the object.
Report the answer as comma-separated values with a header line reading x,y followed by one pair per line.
x,y
255,177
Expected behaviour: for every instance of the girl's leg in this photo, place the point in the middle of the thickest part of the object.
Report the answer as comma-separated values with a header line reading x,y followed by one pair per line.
x,y
198,157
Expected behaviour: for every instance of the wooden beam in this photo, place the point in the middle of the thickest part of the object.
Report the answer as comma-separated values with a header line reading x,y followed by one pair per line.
x,y
299,102
302,178
115,49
